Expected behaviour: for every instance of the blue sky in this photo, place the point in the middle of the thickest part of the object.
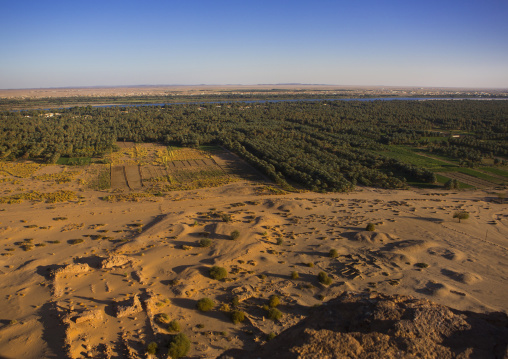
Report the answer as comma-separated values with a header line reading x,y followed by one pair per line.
x,y
112,43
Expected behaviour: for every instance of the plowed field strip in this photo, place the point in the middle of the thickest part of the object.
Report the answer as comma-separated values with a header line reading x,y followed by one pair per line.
x,y
133,177
470,180
118,179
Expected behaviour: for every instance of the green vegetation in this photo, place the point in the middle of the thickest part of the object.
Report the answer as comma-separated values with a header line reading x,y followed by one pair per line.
x,y
322,146
461,215
76,241
237,316
295,275
274,314
235,235
218,273
271,336
174,326
333,253
205,304
152,348
74,161
324,279
205,242
274,301
179,346
421,265
370,227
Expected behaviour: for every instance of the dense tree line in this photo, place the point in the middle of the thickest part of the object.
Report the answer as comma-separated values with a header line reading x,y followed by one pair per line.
x,y
327,145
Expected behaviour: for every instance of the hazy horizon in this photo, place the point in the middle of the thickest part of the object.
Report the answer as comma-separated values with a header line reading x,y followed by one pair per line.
x,y
454,44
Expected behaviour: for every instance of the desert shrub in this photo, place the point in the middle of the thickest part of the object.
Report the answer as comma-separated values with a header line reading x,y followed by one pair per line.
x,y
279,241
76,241
205,304
218,273
26,247
274,314
295,275
235,234
205,242
237,316
152,348
226,217
310,264
225,307
333,253
174,326
421,265
163,317
179,346
274,301
271,336
370,227
235,301
461,215
324,279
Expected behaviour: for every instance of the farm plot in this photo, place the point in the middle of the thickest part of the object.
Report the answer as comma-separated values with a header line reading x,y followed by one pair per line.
x,y
470,180
118,179
157,168
133,176
233,164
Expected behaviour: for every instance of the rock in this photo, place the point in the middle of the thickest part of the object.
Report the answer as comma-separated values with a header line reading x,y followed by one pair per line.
x,y
128,307
75,268
114,261
383,326
89,315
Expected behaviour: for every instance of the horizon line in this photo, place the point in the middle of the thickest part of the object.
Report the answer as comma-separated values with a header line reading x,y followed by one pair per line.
x,y
262,84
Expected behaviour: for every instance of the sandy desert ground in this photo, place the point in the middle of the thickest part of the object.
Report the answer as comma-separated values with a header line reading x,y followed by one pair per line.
x,y
94,278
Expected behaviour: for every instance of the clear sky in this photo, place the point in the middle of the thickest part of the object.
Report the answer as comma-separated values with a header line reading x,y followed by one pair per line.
x,y
54,43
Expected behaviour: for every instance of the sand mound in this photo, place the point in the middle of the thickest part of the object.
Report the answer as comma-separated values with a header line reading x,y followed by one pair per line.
x,y
382,326
407,246
466,278
373,237
451,254
289,206
394,258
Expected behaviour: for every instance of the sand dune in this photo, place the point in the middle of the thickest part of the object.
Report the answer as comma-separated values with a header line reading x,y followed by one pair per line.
x,y
86,258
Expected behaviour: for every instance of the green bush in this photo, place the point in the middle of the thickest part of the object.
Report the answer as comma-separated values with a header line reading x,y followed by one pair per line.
x,y
235,234
271,336
370,227
333,253
237,316
274,314
179,347
174,326
235,301
295,275
324,279
205,242
218,273
274,301
163,317
76,241
461,215
205,304
152,348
